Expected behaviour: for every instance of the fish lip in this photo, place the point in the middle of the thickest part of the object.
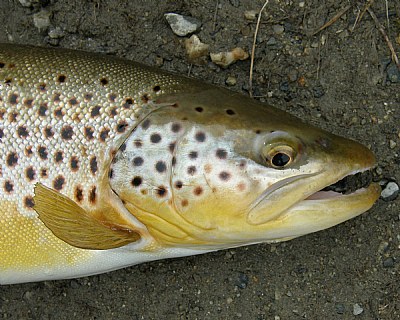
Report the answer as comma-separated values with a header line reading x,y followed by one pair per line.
x,y
320,194
257,217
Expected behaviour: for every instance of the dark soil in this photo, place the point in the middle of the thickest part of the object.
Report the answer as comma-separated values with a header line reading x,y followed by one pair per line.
x,y
340,80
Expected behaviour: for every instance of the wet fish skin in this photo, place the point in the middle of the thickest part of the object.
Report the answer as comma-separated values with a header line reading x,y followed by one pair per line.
x,y
107,163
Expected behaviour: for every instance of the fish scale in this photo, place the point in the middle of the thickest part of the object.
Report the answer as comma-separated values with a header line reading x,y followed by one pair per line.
x,y
107,163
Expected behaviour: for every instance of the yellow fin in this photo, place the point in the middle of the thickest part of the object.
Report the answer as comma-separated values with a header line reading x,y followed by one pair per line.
x,y
72,224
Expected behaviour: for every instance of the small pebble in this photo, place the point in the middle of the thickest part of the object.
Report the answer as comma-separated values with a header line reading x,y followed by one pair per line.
x,y
224,59
250,15
28,295
243,281
195,48
388,262
301,4
340,308
390,192
229,300
357,309
278,29
182,25
41,20
271,41
56,33
25,3
231,81
392,144
393,73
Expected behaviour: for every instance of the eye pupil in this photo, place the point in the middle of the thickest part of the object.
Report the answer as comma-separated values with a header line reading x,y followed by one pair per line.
x,y
280,159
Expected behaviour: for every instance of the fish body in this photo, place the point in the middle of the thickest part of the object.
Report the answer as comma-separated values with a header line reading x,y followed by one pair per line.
x,y
107,163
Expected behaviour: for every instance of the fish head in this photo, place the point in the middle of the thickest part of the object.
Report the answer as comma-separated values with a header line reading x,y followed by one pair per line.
x,y
214,169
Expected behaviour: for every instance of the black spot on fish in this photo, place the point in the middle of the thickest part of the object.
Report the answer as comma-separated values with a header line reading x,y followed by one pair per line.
x,y
58,183
224,176
42,151
191,170
173,161
13,99
112,97
138,161
104,134
95,111
221,153
42,87
61,78
42,109
161,191
30,173
193,155
121,126
200,136
88,96
145,97
136,181
28,103
230,112
74,163
176,127
199,109
67,132
93,165
92,195
58,157
12,159
103,81
48,132
156,88
28,151
128,103
155,138
146,124
22,132
8,186
57,97
161,166
178,184
28,202
88,132
78,194
43,173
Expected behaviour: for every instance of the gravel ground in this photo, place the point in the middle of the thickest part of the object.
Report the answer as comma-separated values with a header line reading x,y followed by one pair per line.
x,y
339,79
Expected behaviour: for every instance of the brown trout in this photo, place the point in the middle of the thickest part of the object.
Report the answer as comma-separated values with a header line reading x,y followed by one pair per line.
x,y
106,163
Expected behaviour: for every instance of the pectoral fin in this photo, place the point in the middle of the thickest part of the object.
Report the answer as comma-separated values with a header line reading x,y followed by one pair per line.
x,y
72,224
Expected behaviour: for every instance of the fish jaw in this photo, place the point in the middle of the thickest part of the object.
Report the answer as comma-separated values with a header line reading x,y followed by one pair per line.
x,y
310,216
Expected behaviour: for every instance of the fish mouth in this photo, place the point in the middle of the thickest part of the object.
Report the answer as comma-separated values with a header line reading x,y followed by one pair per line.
x,y
354,182
344,196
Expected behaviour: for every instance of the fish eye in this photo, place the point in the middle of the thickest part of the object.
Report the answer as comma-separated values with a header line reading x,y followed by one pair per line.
x,y
279,156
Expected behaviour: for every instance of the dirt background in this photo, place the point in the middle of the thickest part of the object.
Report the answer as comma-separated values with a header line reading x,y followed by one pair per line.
x,y
338,79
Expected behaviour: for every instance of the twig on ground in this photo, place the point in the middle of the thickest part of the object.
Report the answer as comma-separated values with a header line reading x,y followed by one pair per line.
x,y
361,15
253,49
215,15
333,20
388,42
